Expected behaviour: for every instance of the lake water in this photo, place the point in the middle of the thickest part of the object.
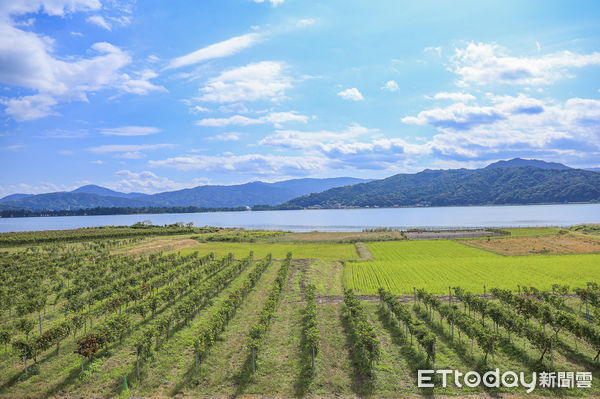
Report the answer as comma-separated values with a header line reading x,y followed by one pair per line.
x,y
339,219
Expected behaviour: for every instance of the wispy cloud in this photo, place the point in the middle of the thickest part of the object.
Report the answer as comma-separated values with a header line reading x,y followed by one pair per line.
x,y
305,22
98,20
276,118
14,147
218,50
131,131
255,164
273,2
149,182
455,96
128,147
225,137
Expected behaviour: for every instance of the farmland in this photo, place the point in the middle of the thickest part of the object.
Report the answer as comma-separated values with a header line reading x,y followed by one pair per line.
x,y
400,266
175,314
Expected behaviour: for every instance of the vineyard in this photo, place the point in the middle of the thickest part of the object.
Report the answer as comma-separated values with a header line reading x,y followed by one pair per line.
x,y
89,318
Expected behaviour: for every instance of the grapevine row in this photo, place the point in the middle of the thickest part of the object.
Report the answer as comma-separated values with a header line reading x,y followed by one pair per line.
x,y
220,317
257,331
557,319
424,337
311,328
508,319
364,340
485,337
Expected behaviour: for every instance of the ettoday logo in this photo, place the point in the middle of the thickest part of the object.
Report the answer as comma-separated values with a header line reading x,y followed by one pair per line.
x,y
508,379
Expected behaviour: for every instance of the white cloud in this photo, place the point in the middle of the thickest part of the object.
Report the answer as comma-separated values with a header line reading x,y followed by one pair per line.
x,y
50,7
274,2
28,62
127,148
514,125
254,164
351,94
97,162
29,107
235,107
487,64
306,22
353,147
457,96
276,118
98,20
298,139
436,50
217,50
152,59
225,137
130,131
13,147
43,187
264,80
390,85
66,134
149,182
197,109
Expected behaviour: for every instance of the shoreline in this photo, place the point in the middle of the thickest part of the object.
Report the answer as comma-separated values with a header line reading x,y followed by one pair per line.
x,y
56,213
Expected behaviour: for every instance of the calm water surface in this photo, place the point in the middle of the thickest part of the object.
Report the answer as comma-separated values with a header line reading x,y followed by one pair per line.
x,y
339,219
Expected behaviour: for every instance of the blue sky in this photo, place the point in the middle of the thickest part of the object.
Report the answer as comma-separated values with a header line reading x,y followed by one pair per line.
x,y
155,96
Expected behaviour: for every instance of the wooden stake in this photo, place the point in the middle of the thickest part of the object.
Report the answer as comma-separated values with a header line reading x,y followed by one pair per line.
x,y
313,360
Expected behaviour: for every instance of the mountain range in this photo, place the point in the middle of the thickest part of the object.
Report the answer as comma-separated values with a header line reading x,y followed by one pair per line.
x,y
515,181
209,196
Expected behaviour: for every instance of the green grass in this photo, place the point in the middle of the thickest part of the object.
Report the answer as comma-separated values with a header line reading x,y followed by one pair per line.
x,y
323,251
435,265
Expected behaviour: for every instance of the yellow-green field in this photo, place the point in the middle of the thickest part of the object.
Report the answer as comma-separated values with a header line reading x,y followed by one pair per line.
x,y
435,265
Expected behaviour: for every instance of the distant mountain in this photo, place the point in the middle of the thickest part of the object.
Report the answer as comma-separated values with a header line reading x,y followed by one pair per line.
x,y
105,192
65,200
594,169
249,194
488,186
15,197
516,162
301,186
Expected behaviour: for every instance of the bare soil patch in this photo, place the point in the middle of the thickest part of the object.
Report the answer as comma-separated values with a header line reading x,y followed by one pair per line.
x,y
449,235
363,251
160,245
558,244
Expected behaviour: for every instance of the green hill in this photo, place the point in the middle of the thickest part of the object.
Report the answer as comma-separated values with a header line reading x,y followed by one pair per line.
x,y
490,186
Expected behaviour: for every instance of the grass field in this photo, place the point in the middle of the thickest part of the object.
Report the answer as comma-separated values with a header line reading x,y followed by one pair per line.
x,y
435,265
